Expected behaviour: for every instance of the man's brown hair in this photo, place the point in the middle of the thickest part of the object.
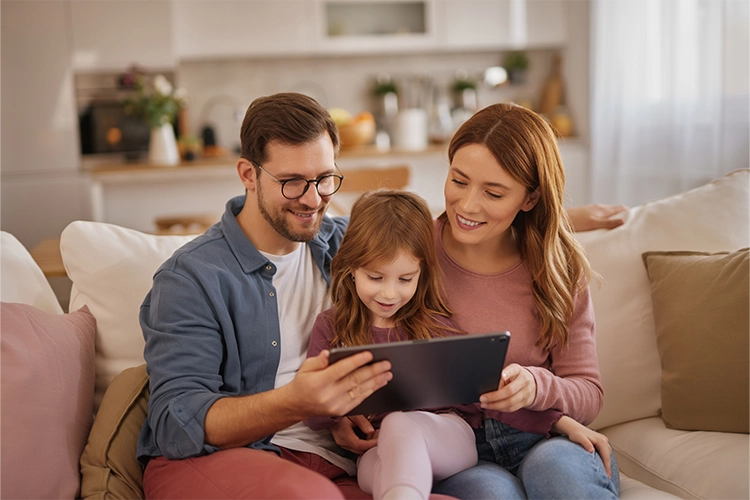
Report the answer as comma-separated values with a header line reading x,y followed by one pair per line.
x,y
288,118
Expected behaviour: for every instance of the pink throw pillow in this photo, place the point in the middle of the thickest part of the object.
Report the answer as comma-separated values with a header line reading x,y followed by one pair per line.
x,y
47,397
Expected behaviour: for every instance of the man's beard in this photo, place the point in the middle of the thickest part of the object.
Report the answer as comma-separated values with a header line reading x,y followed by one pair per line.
x,y
279,222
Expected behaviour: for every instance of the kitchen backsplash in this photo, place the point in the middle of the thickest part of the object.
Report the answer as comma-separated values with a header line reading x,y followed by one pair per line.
x,y
220,91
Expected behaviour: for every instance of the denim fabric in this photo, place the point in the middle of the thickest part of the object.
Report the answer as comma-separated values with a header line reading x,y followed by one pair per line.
x,y
503,445
518,465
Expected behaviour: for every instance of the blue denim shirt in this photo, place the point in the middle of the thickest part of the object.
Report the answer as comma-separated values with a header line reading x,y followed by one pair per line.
x,y
211,328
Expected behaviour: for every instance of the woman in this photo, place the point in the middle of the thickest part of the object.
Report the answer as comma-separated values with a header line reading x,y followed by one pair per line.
x,y
510,261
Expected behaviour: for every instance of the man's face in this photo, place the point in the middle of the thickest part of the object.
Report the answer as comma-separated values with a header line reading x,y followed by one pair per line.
x,y
300,219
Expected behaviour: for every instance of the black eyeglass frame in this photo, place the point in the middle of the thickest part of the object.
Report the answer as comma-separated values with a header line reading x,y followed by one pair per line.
x,y
308,181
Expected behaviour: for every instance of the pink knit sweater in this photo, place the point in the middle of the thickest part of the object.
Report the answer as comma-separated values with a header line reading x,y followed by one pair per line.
x,y
567,379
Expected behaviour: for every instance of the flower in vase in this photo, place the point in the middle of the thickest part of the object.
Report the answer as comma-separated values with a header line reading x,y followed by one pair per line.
x,y
155,99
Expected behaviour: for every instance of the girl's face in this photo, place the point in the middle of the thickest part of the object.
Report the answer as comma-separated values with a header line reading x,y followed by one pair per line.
x,y
386,288
481,198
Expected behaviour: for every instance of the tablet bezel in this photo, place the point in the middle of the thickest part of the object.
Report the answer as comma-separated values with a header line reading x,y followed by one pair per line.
x,y
432,373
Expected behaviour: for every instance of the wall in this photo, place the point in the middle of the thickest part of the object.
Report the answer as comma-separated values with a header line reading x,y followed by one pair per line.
x,y
42,188
219,88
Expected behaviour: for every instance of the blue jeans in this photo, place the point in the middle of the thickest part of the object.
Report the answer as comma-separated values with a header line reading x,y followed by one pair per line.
x,y
519,465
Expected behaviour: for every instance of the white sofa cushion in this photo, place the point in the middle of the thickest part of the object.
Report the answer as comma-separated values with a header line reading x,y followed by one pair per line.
x,y
22,280
689,464
711,218
112,268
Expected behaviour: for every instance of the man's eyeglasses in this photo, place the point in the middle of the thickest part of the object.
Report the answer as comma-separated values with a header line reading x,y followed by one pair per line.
x,y
295,188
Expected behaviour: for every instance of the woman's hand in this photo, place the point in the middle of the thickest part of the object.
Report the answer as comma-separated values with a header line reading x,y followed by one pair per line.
x,y
345,436
589,439
517,390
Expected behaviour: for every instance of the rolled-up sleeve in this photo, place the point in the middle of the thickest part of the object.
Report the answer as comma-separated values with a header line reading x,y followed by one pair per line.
x,y
184,352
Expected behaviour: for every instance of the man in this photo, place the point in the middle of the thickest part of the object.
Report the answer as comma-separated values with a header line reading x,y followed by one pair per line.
x,y
227,323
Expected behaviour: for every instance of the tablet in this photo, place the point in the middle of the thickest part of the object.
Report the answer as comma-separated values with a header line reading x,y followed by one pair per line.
x,y
443,371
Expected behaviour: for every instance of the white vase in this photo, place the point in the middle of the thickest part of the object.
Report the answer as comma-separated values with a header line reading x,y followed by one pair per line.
x,y
162,150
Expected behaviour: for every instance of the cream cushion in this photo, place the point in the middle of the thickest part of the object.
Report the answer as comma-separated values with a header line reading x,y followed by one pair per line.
x,y
711,218
685,463
112,268
22,280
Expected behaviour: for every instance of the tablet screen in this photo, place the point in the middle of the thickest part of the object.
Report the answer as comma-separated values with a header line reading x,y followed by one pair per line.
x,y
432,373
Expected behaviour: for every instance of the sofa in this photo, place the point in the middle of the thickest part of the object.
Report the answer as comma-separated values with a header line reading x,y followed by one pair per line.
x,y
671,304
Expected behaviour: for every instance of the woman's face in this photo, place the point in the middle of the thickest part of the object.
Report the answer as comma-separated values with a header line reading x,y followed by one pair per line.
x,y
481,198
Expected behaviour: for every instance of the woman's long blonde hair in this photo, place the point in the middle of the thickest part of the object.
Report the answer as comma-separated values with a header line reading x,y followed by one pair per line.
x,y
384,223
524,144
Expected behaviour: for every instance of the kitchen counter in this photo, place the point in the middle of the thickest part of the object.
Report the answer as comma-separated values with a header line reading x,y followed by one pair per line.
x,y
362,152
134,194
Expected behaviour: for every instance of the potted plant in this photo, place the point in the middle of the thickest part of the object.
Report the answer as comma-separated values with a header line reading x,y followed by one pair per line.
x,y
516,63
386,93
157,102
465,92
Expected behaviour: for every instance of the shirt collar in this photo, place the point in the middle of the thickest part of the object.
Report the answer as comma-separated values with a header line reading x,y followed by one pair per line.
x,y
247,255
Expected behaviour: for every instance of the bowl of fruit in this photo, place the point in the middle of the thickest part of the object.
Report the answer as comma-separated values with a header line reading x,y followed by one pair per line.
x,y
354,130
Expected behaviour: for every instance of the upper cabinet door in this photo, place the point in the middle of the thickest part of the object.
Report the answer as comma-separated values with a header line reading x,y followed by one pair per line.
x,y
501,24
546,22
375,26
113,34
234,28
474,24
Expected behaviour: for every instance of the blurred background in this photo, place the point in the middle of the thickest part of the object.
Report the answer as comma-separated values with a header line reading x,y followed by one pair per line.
x,y
649,97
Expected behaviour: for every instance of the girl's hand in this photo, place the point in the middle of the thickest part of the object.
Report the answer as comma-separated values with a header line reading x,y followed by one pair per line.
x,y
589,439
345,436
517,390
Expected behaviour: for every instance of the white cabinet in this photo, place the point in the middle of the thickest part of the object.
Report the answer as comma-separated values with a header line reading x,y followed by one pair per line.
x,y
471,24
41,185
235,28
113,34
546,23
380,26
500,24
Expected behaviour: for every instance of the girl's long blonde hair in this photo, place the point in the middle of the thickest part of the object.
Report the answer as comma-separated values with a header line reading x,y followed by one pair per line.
x,y
524,144
384,223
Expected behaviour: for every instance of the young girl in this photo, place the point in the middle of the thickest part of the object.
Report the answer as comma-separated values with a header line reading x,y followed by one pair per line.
x,y
386,286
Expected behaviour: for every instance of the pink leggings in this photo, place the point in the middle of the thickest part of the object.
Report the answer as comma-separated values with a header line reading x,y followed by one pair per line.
x,y
415,448
244,473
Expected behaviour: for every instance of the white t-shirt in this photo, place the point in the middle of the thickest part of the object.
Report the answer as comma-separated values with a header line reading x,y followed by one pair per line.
x,y
302,294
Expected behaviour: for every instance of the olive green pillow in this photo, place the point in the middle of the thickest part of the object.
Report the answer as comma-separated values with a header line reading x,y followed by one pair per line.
x,y
701,304
109,468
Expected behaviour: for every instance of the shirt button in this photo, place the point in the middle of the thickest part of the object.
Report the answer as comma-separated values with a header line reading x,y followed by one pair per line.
x,y
268,267
271,294
274,343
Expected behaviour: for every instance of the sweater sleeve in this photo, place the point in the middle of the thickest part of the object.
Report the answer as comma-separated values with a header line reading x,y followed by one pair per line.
x,y
320,340
321,334
572,383
535,422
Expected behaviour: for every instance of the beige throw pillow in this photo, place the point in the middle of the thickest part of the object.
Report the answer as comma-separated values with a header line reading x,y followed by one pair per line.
x,y
109,468
700,303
